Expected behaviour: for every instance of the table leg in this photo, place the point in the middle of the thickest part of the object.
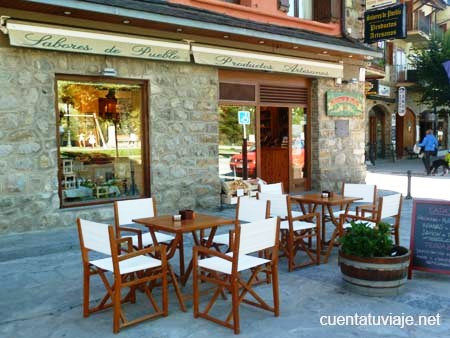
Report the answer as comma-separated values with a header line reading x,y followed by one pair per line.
x,y
337,232
197,241
323,226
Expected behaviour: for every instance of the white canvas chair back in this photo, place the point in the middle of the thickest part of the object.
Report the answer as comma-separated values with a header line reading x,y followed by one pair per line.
x,y
390,206
366,191
274,188
250,209
132,209
258,235
95,236
278,204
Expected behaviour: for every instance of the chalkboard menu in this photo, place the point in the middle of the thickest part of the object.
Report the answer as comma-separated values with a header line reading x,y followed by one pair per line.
x,y
430,236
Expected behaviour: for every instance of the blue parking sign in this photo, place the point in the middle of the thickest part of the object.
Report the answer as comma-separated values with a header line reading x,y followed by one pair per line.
x,y
244,117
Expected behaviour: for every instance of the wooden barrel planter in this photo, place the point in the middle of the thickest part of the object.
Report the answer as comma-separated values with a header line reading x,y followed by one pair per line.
x,y
379,276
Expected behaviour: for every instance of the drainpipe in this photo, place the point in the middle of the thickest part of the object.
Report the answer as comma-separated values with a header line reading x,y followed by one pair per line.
x,y
344,23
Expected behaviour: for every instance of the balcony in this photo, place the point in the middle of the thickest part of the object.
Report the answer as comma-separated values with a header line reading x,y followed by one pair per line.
x,y
404,75
420,28
376,69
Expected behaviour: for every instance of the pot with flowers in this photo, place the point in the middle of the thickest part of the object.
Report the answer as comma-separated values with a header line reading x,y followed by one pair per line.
x,y
370,263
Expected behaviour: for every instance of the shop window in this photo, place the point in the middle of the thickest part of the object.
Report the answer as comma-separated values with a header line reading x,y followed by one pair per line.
x,y
230,143
102,141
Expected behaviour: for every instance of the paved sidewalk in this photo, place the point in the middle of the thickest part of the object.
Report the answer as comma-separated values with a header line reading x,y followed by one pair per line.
x,y
41,292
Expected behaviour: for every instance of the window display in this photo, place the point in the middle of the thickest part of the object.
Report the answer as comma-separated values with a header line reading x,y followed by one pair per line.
x,y
101,141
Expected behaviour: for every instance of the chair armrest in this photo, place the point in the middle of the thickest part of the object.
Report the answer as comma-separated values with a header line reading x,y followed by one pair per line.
x,y
367,208
149,250
198,249
343,217
125,240
306,217
138,232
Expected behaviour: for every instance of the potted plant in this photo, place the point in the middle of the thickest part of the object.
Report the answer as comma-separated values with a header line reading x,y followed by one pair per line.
x,y
370,263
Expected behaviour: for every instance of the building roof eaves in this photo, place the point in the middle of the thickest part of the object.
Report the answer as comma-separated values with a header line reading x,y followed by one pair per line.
x,y
163,11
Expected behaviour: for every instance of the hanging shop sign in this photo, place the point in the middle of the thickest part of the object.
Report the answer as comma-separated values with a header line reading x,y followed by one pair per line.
x,y
344,103
401,109
385,23
50,37
374,87
227,57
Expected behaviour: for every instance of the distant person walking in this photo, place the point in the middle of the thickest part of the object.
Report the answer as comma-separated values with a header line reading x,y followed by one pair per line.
x,y
430,146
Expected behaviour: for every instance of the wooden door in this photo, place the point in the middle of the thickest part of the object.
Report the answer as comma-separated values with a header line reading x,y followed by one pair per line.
x,y
408,131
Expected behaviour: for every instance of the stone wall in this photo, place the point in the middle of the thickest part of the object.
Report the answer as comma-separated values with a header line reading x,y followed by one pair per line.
x,y
335,159
183,134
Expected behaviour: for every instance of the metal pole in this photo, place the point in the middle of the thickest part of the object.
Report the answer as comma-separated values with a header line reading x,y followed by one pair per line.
x,y
408,196
244,155
244,160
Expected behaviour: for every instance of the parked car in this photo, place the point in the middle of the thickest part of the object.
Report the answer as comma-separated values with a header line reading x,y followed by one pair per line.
x,y
236,163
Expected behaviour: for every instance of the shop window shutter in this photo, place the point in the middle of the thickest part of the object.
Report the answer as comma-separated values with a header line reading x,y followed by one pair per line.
x,y
279,94
236,92
327,10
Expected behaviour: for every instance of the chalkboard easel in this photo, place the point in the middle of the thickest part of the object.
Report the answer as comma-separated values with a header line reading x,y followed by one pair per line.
x,y
430,236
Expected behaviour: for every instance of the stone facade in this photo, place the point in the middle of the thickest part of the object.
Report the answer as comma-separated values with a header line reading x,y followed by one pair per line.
x,y
183,135
335,159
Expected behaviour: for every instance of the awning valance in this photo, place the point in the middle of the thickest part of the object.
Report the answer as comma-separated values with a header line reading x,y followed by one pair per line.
x,y
227,57
50,37
69,39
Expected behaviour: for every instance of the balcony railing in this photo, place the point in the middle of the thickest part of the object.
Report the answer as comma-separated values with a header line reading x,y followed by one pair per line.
x,y
405,73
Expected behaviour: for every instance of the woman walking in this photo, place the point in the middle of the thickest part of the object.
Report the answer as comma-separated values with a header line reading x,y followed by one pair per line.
x,y
430,146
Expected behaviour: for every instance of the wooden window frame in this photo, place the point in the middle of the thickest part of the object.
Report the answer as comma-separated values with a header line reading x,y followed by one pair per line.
x,y
145,137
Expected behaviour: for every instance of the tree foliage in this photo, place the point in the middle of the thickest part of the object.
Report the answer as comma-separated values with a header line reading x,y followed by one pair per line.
x,y
433,82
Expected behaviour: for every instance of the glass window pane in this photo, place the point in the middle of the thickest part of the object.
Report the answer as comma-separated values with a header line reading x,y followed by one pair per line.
x,y
230,143
298,143
100,141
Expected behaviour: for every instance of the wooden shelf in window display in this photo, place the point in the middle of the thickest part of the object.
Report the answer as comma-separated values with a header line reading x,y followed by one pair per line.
x,y
67,167
70,181
101,191
104,191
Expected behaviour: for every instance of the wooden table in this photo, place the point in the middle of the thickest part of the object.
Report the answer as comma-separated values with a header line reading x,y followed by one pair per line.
x,y
312,201
167,224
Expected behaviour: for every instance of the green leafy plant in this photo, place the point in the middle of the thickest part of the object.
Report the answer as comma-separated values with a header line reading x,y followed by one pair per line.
x,y
364,241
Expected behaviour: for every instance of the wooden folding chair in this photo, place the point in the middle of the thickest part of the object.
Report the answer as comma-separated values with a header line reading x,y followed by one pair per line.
x,y
127,210
225,270
132,270
247,210
297,230
388,209
124,213
368,193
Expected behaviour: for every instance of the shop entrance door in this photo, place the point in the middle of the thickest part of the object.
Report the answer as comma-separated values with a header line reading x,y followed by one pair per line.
x,y
282,146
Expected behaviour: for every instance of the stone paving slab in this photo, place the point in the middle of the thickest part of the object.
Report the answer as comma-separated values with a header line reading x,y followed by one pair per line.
x,y
41,281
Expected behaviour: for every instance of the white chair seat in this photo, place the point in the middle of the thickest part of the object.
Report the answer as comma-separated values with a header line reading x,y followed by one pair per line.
x,y
341,212
220,239
297,213
298,225
147,238
223,266
127,266
348,225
